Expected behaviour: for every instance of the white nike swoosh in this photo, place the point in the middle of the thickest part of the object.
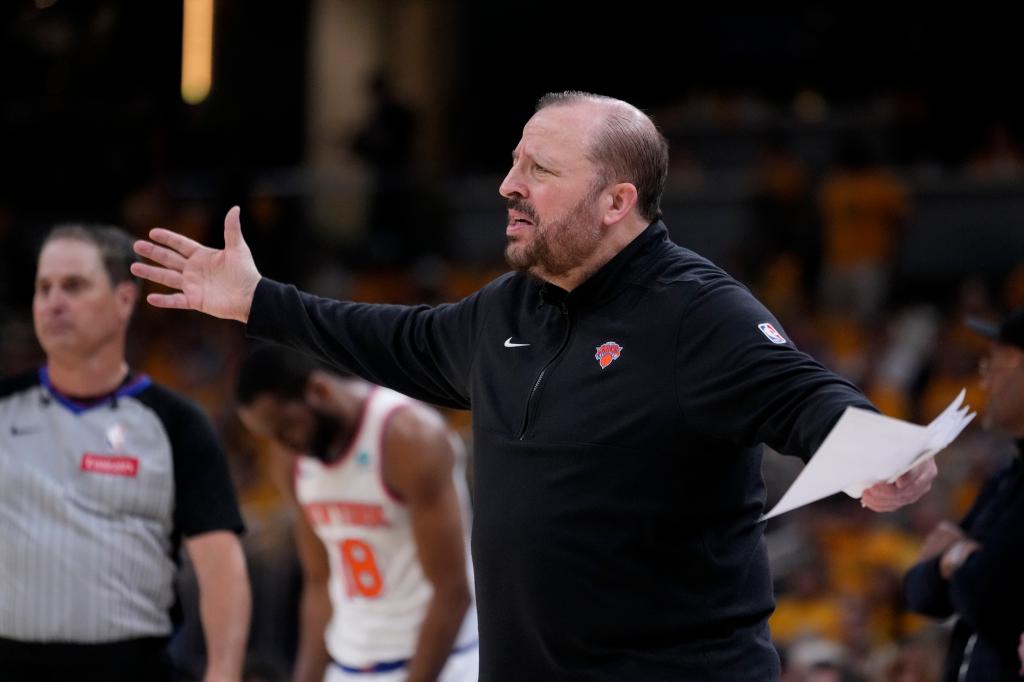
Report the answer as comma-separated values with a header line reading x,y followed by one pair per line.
x,y
509,344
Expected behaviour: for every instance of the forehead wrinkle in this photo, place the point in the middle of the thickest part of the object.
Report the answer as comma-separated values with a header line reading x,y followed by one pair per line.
x,y
554,148
571,127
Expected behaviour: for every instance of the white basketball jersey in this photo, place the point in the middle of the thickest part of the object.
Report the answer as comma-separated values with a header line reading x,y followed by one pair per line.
x,y
377,587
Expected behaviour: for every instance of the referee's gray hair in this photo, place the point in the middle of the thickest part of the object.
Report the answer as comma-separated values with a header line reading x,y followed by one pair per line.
x,y
113,243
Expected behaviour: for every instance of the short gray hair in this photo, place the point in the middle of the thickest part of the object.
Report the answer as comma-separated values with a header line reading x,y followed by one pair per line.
x,y
628,148
113,243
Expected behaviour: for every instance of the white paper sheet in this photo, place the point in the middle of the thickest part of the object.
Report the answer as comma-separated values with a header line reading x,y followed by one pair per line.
x,y
865,448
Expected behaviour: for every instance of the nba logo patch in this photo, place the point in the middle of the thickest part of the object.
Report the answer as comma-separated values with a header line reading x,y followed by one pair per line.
x,y
115,437
768,330
606,353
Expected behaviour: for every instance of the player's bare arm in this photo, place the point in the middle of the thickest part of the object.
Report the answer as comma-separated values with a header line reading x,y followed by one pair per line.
x,y
225,603
315,607
311,659
418,460
218,282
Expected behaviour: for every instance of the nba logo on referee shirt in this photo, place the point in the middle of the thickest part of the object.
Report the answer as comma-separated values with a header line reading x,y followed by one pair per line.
x,y
115,437
768,330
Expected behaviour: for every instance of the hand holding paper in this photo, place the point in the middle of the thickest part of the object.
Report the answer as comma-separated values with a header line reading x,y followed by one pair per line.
x,y
865,448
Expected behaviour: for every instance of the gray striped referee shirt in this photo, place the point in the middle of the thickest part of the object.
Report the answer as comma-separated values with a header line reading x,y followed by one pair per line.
x,y
95,496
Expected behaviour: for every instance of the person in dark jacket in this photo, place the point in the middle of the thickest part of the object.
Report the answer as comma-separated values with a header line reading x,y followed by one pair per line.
x,y
620,385
974,570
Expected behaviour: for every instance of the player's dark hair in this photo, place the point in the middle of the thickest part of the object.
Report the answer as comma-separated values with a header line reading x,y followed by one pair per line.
x,y
113,243
276,370
279,371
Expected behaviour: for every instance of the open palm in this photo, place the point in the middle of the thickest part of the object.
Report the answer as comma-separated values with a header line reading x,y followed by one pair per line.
x,y
218,282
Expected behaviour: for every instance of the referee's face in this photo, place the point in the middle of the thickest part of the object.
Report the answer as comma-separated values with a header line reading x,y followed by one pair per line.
x,y
77,312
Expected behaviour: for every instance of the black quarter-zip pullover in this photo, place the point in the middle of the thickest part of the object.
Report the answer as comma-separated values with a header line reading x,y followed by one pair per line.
x,y
617,432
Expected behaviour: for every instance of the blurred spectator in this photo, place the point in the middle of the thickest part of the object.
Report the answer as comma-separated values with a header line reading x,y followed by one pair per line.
x,y
973,570
779,204
386,143
918,660
811,656
830,672
1020,652
956,350
806,608
1001,157
863,209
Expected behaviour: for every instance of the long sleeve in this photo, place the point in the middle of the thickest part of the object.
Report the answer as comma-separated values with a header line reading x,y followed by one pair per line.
x,y
421,351
989,580
926,591
988,589
740,382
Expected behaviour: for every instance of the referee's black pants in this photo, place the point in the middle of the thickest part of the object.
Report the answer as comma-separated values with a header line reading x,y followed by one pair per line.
x,y
132,660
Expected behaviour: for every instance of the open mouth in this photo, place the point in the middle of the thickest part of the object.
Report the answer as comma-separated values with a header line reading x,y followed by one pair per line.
x,y
516,219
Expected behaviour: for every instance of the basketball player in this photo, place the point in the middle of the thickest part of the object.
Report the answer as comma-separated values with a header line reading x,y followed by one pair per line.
x,y
381,539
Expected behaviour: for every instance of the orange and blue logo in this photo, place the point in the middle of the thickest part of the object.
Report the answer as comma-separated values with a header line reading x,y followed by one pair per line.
x,y
607,352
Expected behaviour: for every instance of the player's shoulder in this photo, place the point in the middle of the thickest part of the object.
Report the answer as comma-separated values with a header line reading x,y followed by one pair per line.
x,y
409,420
18,383
405,410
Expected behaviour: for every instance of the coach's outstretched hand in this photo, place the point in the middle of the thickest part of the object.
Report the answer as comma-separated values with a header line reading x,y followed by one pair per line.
x,y
216,282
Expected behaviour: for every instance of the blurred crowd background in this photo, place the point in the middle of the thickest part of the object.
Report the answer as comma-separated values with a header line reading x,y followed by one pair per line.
x,y
859,167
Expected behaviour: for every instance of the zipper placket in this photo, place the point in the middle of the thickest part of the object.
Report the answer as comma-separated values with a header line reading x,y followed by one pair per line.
x,y
544,370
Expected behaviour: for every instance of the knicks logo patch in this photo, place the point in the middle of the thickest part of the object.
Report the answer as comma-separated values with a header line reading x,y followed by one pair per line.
x,y
768,330
607,353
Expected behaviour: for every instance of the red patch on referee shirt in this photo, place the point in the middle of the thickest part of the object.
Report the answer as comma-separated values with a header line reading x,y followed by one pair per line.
x,y
110,465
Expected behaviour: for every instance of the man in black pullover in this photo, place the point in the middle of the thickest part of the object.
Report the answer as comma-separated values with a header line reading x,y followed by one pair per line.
x,y
974,570
620,386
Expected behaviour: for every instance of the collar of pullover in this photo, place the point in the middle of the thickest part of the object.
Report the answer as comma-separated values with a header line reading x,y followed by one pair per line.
x,y
611,277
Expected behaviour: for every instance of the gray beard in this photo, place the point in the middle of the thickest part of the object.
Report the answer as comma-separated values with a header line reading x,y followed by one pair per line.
x,y
556,249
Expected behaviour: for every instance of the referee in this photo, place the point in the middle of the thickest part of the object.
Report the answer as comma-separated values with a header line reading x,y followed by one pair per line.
x,y
102,475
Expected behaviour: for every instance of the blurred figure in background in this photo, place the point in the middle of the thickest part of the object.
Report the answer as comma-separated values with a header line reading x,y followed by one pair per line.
x,y
806,608
103,474
973,570
863,209
382,532
386,143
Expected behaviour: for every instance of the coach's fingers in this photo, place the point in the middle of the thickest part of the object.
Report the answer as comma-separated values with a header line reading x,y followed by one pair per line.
x,y
177,301
168,278
919,478
158,254
233,228
179,242
879,504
